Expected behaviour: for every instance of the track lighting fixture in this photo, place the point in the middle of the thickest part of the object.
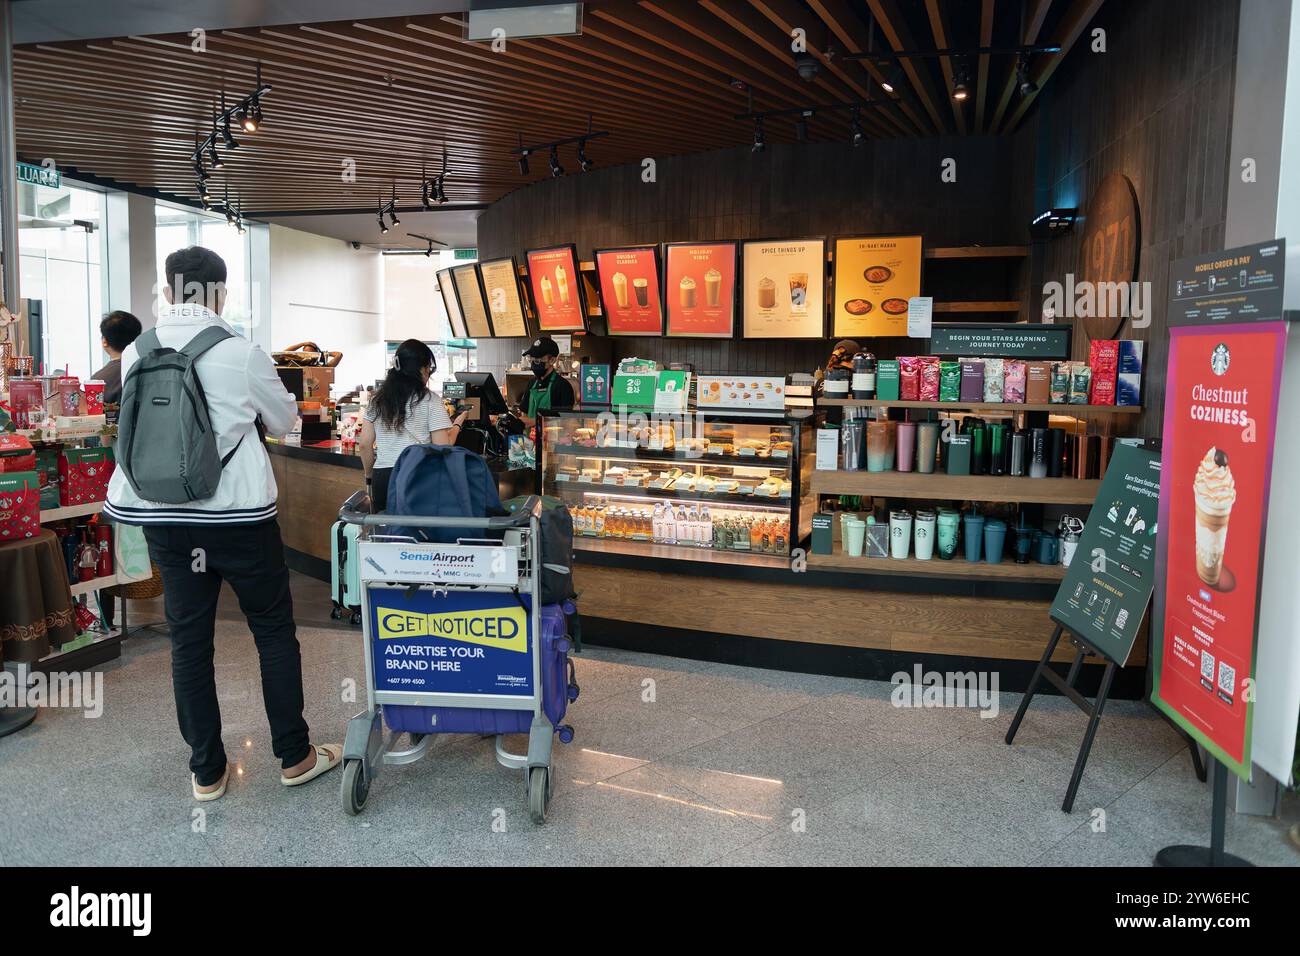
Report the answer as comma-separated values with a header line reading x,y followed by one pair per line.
x,y
1027,86
439,194
801,127
522,151
855,127
214,157
247,112
425,201
960,81
760,140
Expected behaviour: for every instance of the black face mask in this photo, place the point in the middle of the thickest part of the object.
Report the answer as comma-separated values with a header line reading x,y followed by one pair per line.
x,y
539,369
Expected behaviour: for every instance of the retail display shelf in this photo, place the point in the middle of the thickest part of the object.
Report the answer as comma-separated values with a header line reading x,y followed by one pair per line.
x,y
72,511
747,559
94,584
100,649
1007,569
1059,408
648,454
636,491
911,484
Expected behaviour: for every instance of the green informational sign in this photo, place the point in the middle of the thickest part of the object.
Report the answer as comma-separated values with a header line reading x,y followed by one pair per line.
x,y
595,384
671,390
1018,341
1110,580
465,254
39,175
635,388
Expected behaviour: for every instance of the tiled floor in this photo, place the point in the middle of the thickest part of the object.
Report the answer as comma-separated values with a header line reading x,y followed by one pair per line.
x,y
675,762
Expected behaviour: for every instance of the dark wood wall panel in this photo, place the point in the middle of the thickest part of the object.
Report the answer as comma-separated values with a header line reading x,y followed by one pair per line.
x,y
1156,107
824,189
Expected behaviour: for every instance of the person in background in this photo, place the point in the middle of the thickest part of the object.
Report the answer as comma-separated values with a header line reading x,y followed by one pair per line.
x,y
117,331
232,536
841,357
403,412
550,390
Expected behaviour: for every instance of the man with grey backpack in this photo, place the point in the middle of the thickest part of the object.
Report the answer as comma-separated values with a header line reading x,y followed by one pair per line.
x,y
193,474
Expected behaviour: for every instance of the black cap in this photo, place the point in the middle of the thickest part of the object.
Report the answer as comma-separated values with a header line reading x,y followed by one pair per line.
x,y
542,347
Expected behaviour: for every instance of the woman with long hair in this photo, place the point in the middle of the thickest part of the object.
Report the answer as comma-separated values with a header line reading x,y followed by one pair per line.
x,y
404,411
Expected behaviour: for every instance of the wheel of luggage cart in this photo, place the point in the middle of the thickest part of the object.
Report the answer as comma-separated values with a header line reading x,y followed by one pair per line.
x,y
537,789
356,618
355,788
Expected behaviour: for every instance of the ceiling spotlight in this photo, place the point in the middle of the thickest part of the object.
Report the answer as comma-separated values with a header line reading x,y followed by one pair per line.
x,y
230,214
214,158
247,116
226,139
523,163
583,161
200,171
204,195
801,126
429,252
1027,86
855,127
424,195
256,111
383,226
556,169
893,79
760,141
960,82
439,193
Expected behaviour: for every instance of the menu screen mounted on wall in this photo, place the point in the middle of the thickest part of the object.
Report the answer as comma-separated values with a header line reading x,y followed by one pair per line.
x,y
874,276
454,316
629,290
558,298
700,289
472,307
784,288
505,303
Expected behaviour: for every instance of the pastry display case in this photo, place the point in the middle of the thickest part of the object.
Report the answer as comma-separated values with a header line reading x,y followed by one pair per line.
x,y
715,482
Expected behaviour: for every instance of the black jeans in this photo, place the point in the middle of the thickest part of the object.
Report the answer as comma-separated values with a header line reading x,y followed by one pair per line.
x,y
379,489
193,562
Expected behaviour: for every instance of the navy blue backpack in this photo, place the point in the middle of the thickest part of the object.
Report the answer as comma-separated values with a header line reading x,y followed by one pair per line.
x,y
442,481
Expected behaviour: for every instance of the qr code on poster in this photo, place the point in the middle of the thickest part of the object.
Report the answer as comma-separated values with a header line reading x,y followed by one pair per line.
x,y
1122,617
1207,667
1227,678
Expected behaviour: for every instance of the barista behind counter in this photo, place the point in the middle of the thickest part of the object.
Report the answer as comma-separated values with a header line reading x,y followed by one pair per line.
x,y
550,391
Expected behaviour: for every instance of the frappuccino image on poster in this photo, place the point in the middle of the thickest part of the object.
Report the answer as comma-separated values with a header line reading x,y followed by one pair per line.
x,y
1214,493
558,297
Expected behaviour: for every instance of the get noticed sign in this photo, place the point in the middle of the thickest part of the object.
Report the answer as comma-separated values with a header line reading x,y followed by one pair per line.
x,y
454,642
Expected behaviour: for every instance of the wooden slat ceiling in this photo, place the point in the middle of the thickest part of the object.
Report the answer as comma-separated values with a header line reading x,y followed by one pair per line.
x,y
390,95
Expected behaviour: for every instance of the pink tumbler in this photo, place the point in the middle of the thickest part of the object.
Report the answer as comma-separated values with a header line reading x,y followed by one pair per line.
x,y
906,445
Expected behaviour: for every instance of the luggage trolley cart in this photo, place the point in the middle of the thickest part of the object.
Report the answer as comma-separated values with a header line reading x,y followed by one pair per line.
x,y
454,637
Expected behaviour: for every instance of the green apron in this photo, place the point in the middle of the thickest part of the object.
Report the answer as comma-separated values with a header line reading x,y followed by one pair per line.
x,y
539,395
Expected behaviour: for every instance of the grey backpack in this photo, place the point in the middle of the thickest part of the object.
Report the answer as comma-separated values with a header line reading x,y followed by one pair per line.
x,y
166,445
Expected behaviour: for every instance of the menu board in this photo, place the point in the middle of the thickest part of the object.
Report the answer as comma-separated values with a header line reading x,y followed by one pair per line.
x,y
455,317
629,290
1221,409
558,299
472,307
785,288
501,284
1109,582
700,289
734,391
874,277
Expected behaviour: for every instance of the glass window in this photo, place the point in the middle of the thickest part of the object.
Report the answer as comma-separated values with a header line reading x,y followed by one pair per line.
x,y
60,231
177,228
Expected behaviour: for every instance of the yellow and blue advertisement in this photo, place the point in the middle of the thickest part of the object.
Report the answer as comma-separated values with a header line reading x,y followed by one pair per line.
x,y
453,642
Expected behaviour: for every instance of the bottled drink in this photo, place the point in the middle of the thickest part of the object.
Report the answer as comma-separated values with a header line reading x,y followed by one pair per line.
x,y
706,528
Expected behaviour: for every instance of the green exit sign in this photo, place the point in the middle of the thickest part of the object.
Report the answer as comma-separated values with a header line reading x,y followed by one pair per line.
x,y
465,254
39,175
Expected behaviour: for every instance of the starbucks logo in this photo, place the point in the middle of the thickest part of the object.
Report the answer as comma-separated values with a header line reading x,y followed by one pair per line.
x,y
1220,359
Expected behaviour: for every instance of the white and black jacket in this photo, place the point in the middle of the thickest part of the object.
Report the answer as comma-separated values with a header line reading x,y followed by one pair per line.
x,y
241,385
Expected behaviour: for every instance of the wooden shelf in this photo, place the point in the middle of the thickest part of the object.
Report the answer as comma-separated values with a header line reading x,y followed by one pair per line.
x,y
1010,305
1060,408
911,484
977,252
94,584
72,511
957,567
